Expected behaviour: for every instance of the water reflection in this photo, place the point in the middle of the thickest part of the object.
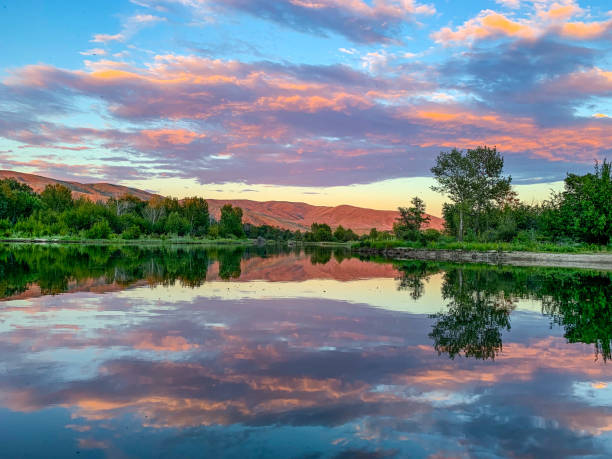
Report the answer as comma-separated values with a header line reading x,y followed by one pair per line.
x,y
166,363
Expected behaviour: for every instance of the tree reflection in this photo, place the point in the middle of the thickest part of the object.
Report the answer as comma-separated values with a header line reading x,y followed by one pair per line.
x,y
582,304
57,269
413,275
318,255
481,300
229,263
478,313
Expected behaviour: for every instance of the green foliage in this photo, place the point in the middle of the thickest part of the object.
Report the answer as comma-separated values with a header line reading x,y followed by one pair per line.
x,y
410,221
17,200
431,235
133,232
5,227
319,232
57,198
230,223
472,180
54,213
269,233
584,209
195,210
175,224
126,204
213,231
344,235
99,230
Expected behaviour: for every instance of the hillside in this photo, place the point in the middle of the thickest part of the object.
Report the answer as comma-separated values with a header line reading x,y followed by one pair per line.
x,y
290,215
92,191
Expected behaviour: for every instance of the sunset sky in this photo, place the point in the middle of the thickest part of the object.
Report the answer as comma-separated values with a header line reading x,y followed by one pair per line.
x,y
322,101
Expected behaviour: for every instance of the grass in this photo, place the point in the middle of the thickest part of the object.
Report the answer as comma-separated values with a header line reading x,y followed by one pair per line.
x,y
515,246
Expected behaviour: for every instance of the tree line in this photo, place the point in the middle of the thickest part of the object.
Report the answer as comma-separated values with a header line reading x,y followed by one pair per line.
x,y
483,206
55,212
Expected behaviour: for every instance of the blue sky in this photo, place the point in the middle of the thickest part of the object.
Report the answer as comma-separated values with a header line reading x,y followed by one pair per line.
x,y
327,101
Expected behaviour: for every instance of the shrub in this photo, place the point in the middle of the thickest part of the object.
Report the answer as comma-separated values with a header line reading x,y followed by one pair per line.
x,y
100,230
431,235
133,232
5,227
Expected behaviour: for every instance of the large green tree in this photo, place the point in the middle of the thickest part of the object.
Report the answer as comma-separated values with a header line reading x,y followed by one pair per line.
x,y
586,205
472,179
195,210
230,223
17,200
57,197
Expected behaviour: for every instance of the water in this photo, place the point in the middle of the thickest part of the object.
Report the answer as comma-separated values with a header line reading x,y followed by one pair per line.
x,y
135,352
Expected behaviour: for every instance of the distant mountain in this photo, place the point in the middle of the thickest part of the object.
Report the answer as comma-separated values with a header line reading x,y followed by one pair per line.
x,y
289,215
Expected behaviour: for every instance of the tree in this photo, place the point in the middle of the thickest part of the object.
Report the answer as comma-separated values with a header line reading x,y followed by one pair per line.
x,y
231,221
17,200
586,205
154,210
319,232
57,197
342,234
411,219
175,224
195,210
472,180
126,204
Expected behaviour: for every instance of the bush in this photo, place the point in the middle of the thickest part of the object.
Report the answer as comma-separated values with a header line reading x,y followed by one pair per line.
x,y
525,237
5,227
213,231
133,232
99,230
431,235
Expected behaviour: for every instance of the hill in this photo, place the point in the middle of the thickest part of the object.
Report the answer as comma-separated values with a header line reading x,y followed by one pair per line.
x,y
289,215
92,191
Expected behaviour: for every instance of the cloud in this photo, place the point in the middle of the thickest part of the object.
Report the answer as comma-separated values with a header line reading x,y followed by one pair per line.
x,y
94,52
544,19
268,365
357,20
261,122
130,27
514,4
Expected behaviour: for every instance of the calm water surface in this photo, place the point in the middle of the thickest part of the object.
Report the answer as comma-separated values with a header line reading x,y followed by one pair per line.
x,y
134,352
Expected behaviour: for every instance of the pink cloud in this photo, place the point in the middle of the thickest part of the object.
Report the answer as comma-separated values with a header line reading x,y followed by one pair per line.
x,y
269,123
544,19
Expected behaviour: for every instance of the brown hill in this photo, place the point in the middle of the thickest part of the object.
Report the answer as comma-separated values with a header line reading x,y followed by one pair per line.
x,y
299,215
289,215
92,191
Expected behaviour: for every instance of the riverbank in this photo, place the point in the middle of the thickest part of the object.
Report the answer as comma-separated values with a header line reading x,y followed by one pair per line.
x,y
601,261
157,241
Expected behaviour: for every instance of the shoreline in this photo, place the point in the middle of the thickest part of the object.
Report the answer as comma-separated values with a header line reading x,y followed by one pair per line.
x,y
493,257
244,242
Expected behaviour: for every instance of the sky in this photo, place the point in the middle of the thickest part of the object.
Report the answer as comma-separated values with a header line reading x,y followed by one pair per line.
x,y
321,101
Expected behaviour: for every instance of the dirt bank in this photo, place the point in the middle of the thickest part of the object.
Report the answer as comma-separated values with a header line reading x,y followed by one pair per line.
x,y
565,260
